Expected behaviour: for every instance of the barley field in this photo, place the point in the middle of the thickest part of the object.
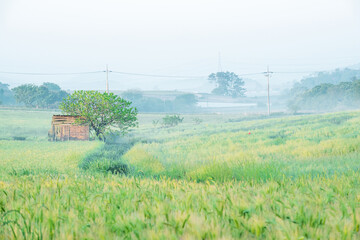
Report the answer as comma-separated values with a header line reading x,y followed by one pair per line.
x,y
228,177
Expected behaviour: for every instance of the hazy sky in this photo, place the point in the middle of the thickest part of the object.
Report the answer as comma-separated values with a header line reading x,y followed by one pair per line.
x,y
174,37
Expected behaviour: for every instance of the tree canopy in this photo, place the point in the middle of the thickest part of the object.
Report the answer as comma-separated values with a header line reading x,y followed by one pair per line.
x,y
185,102
326,96
182,103
333,77
6,96
227,84
103,112
45,96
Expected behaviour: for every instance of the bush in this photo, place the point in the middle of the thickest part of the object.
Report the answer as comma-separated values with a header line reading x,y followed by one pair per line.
x,y
172,120
19,138
197,120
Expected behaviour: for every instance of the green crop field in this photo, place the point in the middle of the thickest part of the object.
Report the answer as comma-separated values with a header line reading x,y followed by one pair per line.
x,y
228,177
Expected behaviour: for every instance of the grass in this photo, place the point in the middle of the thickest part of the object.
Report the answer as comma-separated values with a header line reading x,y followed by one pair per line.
x,y
290,178
36,157
291,147
20,124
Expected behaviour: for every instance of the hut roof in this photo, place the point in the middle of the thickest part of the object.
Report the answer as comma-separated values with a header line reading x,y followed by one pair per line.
x,y
64,119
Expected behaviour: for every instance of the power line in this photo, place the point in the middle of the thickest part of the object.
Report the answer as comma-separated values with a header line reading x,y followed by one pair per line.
x,y
117,72
298,72
250,74
147,75
49,74
155,75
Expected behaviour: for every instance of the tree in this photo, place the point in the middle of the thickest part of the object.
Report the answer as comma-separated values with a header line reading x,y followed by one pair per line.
x,y
26,94
227,84
172,120
45,96
188,99
52,86
185,102
102,111
6,95
333,77
50,95
326,96
132,95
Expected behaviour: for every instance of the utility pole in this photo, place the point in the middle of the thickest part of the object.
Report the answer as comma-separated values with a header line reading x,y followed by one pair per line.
x,y
107,79
267,74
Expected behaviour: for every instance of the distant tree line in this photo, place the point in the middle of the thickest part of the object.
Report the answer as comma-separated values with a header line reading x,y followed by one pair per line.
x,y
182,103
334,77
326,91
327,96
48,95
6,95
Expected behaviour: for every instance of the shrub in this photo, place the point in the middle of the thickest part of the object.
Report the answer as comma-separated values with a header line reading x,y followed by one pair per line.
x,y
197,120
172,120
19,138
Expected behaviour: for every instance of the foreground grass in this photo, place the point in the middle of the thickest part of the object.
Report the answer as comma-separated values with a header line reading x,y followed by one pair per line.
x,y
291,178
98,207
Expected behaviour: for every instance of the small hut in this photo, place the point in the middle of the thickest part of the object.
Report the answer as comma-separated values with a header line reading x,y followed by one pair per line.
x,y
65,128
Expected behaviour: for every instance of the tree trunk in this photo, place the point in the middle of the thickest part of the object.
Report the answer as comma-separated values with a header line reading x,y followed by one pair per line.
x,y
100,135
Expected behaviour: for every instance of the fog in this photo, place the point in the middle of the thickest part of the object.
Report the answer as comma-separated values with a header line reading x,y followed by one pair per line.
x,y
177,38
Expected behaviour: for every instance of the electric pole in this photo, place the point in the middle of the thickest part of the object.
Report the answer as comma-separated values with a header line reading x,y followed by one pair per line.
x,y
107,79
267,74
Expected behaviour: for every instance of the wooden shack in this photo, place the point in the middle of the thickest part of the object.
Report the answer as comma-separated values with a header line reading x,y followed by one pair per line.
x,y
65,128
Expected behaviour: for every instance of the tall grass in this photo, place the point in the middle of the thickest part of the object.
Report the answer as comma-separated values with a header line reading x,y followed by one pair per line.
x,y
24,124
290,178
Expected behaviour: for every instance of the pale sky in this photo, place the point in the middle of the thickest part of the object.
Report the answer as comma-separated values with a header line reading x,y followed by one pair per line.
x,y
172,37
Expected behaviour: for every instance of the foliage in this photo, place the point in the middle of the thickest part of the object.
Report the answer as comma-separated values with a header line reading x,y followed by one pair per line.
x,y
52,86
185,102
227,84
152,104
155,122
345,95
182,103
26,94
292,178
6,96
197,120
102,111
293,106
132,95
44,96
171,120
335,77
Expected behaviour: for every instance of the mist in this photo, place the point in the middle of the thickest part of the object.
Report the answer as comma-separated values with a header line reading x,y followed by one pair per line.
x,y
177,38
191,119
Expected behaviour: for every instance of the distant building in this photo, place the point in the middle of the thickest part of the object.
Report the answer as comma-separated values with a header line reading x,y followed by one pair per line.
x,y
65,128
